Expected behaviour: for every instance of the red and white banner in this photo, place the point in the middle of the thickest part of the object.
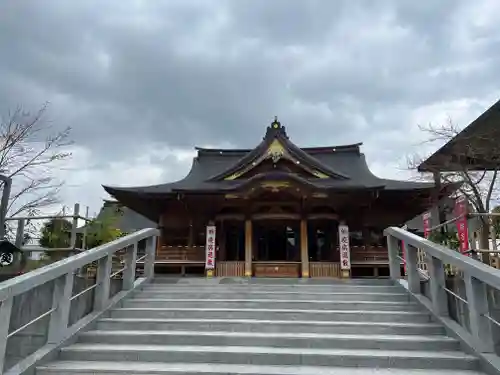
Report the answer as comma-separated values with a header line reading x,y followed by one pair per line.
x,y
462,229
210,248
345,250
427,224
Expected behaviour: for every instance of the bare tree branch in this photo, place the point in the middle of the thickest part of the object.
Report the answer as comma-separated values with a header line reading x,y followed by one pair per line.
x,y
29,151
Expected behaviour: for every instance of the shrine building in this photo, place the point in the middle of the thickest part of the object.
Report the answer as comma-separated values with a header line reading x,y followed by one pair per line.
x,y
278,210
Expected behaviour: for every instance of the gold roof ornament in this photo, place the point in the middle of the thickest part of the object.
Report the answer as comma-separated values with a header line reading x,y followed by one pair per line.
x,y
276,124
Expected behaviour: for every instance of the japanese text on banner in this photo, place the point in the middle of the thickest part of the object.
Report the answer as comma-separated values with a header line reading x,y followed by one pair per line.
x,y
210,248
462,229
345,251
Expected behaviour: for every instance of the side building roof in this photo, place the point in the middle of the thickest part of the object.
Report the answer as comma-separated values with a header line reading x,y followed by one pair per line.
x,y
477,146
128,220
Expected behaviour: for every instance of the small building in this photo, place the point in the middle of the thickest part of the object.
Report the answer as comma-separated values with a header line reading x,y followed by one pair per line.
x,y
127,220
277,210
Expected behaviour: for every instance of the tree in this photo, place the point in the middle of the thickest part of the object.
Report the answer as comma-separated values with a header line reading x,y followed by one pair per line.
x,y
56,233
29,150
496,221
479,187
104,228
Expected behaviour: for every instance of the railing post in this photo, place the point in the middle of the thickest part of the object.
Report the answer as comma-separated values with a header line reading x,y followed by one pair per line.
x,y
61,302
103,282
130,265
394,261
412,269
437,284
74,225
19,241
20,233
477,301
149,262
5,313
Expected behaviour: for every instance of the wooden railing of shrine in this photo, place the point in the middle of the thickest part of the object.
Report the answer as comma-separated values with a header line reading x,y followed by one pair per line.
x,y
230,269
369,254
324,269
180,253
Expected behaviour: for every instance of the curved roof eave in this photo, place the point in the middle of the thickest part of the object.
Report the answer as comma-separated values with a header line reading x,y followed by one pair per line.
x,y
301,154
151,189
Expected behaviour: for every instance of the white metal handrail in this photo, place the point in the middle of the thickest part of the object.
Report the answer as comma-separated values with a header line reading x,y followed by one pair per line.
x,y
62,274
477,276
477,269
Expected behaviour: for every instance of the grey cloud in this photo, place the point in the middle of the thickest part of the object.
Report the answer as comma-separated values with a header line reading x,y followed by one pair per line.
x,y
128,74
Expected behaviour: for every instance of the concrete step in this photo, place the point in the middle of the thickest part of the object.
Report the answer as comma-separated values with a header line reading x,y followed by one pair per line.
x,y
276,340
159,368
278,326
194,303
289,282
269,303
286,289
270,314
259,295
270,356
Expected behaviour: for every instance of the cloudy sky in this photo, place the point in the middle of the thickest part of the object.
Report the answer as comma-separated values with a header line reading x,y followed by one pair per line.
x,y
142,82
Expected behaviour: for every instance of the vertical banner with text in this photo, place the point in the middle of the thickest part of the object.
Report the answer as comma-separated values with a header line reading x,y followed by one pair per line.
x,y
427,224
210,248
345,251
462,229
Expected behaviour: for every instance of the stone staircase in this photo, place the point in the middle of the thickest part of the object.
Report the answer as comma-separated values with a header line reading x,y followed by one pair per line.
x,y
258,326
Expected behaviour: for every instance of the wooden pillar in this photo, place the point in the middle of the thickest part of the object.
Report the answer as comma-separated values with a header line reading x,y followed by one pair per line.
x,y
222,242
304,248
161,240
191,234
248,248
435,198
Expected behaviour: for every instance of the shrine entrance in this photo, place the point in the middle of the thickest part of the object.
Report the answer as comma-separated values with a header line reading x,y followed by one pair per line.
x,y
277,248
277,241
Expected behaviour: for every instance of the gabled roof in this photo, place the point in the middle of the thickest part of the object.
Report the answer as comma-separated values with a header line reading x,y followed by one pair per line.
x,y
276,145
340,168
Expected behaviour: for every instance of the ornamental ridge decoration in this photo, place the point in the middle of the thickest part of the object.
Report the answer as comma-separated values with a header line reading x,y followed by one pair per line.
x,y
275,152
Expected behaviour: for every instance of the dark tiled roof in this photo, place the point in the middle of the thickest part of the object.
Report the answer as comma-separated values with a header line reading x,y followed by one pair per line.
x,y
348,161
476,146
345,168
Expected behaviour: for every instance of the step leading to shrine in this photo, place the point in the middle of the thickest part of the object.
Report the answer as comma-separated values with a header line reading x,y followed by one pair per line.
x,y
180,329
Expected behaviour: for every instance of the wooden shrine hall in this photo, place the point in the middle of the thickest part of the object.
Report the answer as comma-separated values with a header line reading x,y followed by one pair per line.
x,y
278,210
